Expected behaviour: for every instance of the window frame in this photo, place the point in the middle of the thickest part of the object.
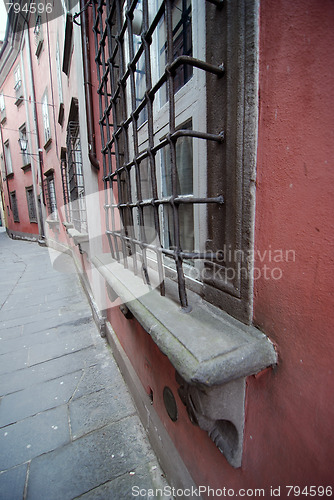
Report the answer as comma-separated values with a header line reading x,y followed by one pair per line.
x,y
60,84
8,159
237,96
17,78
18,86
50,194
3,114
2,102
46,119
72,172
31,204
14,206
38,34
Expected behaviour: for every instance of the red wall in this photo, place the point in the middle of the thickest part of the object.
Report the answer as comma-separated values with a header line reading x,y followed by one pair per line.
x,y
291,417
289,411
15,117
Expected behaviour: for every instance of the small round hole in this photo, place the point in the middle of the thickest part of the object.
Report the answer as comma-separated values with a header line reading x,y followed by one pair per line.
x,y
170,404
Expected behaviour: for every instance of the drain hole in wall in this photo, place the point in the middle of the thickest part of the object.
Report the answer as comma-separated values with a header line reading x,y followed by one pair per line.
x,y
149,391
170,404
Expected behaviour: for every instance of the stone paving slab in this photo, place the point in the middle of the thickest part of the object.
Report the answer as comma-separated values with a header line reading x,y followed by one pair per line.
x,y
12,343
10,333
49,370
37,398
56,321
45,319
12,483
40,298
115,449
93,411
21,442
68,425
11,311
96,378
13,361
141,479
55,349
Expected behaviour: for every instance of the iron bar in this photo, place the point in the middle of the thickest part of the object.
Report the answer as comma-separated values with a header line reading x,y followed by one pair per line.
x,y
123,61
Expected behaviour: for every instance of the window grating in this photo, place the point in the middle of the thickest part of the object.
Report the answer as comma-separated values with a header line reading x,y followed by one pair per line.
x,y
66,196
50,196
121,114
31,204
74,192
15,210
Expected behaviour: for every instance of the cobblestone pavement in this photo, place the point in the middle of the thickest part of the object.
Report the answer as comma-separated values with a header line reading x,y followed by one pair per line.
x,y
68,425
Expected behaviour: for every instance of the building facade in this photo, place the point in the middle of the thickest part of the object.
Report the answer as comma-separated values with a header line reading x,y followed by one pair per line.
x,y
171,147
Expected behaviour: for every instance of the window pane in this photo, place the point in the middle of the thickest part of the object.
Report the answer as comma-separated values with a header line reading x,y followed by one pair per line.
x,y
45,111
60,86
182,44
74,178
184,187
9,166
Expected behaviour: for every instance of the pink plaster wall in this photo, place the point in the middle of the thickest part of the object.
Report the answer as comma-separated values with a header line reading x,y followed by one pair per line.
x,y
291,412
15,117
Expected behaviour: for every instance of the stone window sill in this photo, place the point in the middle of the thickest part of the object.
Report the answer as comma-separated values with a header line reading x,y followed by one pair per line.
x,y
47,145
207,347
52,222
26,167
211,352
78,238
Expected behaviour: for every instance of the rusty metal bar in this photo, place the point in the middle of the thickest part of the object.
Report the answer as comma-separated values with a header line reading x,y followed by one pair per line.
x,y
190,199
120,110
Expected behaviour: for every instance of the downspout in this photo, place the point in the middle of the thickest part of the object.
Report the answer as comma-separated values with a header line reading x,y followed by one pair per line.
x,y
88,85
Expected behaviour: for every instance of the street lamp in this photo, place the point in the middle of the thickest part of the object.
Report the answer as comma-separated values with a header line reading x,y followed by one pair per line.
x,y
23,144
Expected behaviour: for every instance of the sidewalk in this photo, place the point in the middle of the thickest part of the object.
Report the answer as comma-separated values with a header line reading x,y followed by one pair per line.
x,y
68,426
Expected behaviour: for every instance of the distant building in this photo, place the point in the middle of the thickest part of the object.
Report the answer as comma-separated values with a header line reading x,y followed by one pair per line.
x,y
181,152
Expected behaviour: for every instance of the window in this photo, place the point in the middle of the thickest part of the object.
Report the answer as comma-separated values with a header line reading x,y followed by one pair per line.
x,y
23,135
18,88
75,180
181,190
13,202
8,160
38,32
17,78
50,195
46,119
2,108
72,173
2,102
64,175
31,204
60,86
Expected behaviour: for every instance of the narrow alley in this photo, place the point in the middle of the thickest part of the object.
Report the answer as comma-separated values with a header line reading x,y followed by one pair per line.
x,y
69,427
167,250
